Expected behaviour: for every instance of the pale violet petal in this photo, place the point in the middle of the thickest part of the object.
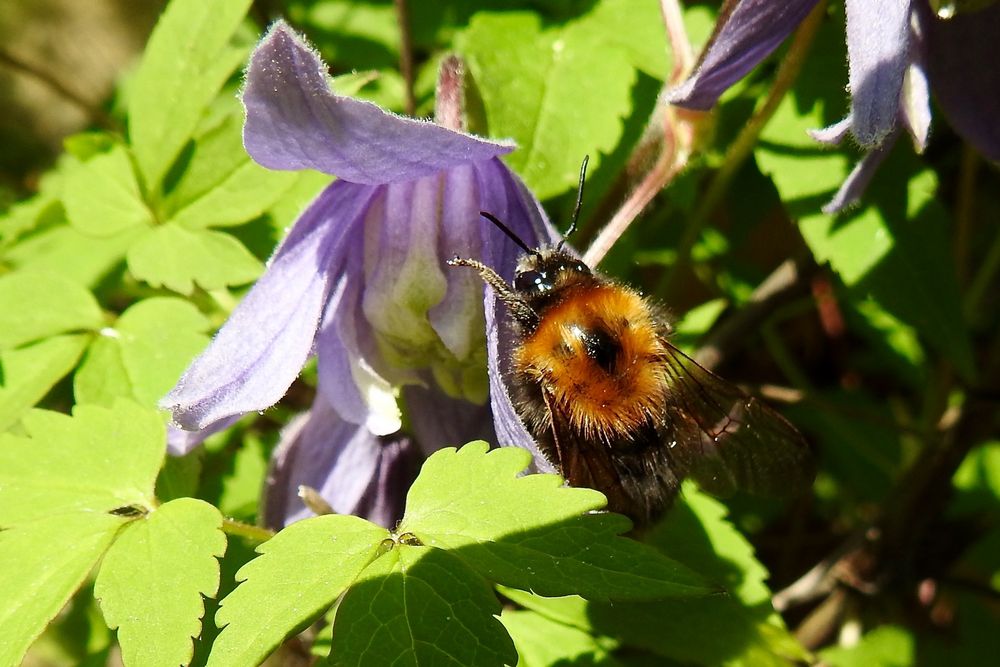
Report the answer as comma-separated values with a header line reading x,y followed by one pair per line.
x,y
857,181
294,121
353,470
833,134
878,54
260,350
437,420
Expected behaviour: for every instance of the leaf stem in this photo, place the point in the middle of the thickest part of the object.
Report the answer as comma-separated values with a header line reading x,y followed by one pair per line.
x,y
246,530
406,55
740,149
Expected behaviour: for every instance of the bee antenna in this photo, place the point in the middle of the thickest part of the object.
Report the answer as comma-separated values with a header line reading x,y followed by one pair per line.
x,y
507,230
579,201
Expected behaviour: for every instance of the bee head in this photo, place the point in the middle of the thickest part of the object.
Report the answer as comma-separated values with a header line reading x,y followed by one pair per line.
x,y
546,270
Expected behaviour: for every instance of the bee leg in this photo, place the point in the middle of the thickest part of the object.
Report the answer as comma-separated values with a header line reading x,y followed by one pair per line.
x,y
519,310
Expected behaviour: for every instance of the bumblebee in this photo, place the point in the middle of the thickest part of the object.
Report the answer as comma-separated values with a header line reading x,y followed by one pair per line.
x,y
616,407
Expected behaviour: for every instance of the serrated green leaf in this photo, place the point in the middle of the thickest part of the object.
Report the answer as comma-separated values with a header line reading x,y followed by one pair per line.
x,y
541,641
221,185
420,606
66,251
300,573
178,258
186,62
42,563
147,349
532,532
153,578
97,461
29,372
40,305
102,196
531,89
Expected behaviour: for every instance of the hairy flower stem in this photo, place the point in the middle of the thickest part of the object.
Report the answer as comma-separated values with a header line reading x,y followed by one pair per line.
x,y
740,149
245,530
406,55
675,140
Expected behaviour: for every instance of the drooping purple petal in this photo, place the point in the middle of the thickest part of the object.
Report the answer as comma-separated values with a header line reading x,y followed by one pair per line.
x,y
180,442
355,471
857,181
294,121
384,500
963,53
832,135
437,420
260,350
746,32
878,53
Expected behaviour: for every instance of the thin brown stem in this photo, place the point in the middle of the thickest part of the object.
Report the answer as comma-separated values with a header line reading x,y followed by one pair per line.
x,y
406,55
680,45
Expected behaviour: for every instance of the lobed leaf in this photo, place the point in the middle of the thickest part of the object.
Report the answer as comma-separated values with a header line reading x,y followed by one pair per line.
x,y
29,372
185,63
145,352
102,195
153,577
532,89
42,563
534,533
41,305
300,573
177,258
96,461
420,606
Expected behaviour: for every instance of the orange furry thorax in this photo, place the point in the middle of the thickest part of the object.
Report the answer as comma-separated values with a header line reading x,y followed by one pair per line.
x,y
597,355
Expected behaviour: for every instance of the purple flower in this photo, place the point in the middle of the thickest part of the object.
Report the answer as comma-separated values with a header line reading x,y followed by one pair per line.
x,y
893,48
360,282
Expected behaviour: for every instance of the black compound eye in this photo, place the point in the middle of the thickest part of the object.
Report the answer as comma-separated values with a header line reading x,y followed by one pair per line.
x,y
531,281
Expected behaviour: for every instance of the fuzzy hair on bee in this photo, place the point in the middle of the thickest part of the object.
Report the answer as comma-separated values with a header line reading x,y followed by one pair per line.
x,y
616,407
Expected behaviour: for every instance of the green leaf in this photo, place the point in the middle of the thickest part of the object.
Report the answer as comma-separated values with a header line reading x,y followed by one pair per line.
x,y
153,578
144,353
532,89
886,646
66,251
28,373
186,62
738,629
96,461
532,532
420,606
41,564
221,185
541,641
299,574
40,305
102,196
176,258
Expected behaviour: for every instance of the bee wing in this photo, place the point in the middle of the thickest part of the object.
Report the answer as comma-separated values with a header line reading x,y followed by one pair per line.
x,y
727,440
